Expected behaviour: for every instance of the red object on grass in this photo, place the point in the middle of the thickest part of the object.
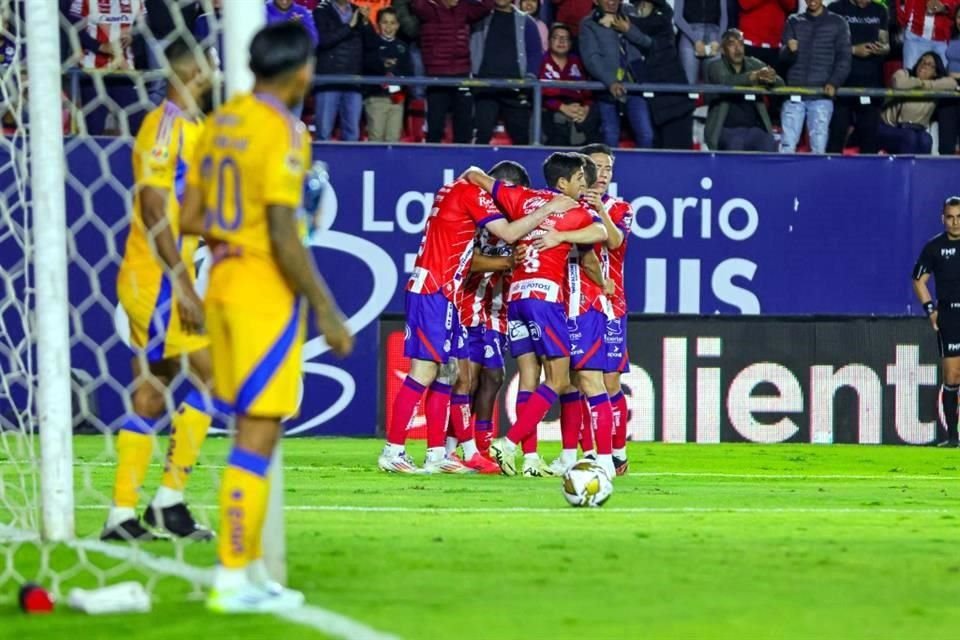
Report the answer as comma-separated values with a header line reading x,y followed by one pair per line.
x,y
35,599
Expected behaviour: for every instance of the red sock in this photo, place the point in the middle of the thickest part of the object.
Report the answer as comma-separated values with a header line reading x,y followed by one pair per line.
x,y
437,408
586,426
522,397
529,444
460,417
601,415
404,405
570,419
532,413
619,403
483,435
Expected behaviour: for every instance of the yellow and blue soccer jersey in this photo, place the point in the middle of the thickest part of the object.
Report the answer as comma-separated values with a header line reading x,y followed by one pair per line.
x,y
253,154
162,154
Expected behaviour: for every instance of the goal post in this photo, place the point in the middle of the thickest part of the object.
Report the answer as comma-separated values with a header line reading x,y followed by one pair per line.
x,y
47,182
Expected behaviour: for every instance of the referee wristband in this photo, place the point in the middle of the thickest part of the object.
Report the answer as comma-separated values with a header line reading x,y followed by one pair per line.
x,y
929,307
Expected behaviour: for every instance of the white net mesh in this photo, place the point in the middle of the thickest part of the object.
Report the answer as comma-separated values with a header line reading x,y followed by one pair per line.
x,y
106,94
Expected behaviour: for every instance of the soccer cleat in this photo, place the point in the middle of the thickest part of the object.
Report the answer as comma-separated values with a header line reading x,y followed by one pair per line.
x,y
621,465
606,463
949,443
559,467
505,456
178,521
398,463
128,531
536,468
251,598
447,464
482,464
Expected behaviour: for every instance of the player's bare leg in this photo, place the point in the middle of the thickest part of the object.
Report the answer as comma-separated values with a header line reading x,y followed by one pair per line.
x,y
394,458
950,369
241,582
619,403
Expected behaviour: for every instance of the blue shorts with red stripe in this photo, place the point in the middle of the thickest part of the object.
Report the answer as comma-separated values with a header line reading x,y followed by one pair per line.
x,y
433,329
616,340
538,326
486,347
588,348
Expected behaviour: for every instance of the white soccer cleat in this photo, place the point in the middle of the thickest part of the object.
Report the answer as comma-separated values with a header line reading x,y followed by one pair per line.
x,y
559,466
397,463
606,463
504,453
447,464
536,468
252,598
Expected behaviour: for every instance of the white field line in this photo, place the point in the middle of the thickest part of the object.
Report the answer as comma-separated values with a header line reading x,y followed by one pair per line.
x,y
638,474
567,510
327,622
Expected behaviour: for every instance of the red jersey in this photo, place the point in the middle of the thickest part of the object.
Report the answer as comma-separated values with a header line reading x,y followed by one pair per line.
x,y
447,246
480,289
106,21
542,274
497,318
612,261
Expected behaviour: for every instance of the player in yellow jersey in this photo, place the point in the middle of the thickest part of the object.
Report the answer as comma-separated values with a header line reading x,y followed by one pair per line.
x,y
155,286
249,184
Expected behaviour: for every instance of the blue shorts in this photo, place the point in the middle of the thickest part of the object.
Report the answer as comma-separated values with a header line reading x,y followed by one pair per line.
x,y
538,326
588,348
461,345
616,339
486,347
433,329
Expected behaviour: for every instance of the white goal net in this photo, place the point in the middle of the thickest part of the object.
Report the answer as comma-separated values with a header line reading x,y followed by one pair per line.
x,y
109,74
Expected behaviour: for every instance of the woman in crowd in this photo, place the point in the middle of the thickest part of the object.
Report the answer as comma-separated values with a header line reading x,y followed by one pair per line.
x,y
904,124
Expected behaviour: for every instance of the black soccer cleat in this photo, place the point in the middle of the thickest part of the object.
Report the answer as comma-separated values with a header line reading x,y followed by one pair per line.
x,y
177,521
127,531
949,443
621,465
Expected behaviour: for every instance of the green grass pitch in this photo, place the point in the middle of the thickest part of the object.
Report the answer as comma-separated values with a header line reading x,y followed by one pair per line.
x,y
700,541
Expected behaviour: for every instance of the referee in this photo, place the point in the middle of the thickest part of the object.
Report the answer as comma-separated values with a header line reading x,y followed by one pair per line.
x,y
940,258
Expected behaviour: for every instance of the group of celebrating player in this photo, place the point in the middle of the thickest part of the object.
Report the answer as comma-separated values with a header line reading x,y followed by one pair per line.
x,y
540,270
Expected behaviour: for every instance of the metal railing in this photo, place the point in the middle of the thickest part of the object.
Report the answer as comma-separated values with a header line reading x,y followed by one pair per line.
x,y
536,86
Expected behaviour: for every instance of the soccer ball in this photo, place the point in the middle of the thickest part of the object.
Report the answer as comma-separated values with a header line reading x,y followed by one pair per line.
x,y
586,484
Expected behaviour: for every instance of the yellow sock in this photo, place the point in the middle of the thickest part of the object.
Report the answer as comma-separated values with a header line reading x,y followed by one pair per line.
x,y
134,448
188,430
243,506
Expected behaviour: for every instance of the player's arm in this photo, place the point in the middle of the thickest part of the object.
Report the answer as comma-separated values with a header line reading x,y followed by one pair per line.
x,y
590,234
191,212
614,233
486,264
296,264
922,292
591,266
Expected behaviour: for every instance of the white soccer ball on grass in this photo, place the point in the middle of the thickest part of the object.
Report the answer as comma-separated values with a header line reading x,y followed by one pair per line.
x,y
586,484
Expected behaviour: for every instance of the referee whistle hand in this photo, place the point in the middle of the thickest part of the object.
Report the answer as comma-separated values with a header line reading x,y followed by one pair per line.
x,y
190,309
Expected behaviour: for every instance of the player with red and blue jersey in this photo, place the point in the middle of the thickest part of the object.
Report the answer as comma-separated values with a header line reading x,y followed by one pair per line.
x,y
433,326
537,319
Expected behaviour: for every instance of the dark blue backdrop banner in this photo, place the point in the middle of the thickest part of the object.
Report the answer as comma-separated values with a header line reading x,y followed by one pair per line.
x,y
755,234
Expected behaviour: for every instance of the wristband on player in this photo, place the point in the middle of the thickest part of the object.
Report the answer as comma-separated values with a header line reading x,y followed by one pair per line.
x,y
929,307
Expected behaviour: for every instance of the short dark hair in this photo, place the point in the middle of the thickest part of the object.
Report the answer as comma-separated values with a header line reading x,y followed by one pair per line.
x,y
941,69
560,26
561,165
510,171
731,34
387,11
280,48
179,51
952,201
598,147
589,170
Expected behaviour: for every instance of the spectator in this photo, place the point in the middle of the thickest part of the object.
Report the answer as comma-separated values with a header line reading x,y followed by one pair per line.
x,y
505,44
445,44
572,12
284,10
948,112
867,21
671,113
700,23
733,122
817,51
374,6
163,25
569,119
385,55
761,22
610,46
339,27
927,25
532,9
106,34
310,5
904,124
409,22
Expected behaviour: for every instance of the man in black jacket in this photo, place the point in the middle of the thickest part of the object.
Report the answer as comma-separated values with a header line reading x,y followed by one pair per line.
x,y
817,49
339,26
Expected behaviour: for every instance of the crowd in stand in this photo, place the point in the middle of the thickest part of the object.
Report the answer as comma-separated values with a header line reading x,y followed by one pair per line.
x,y
912,44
